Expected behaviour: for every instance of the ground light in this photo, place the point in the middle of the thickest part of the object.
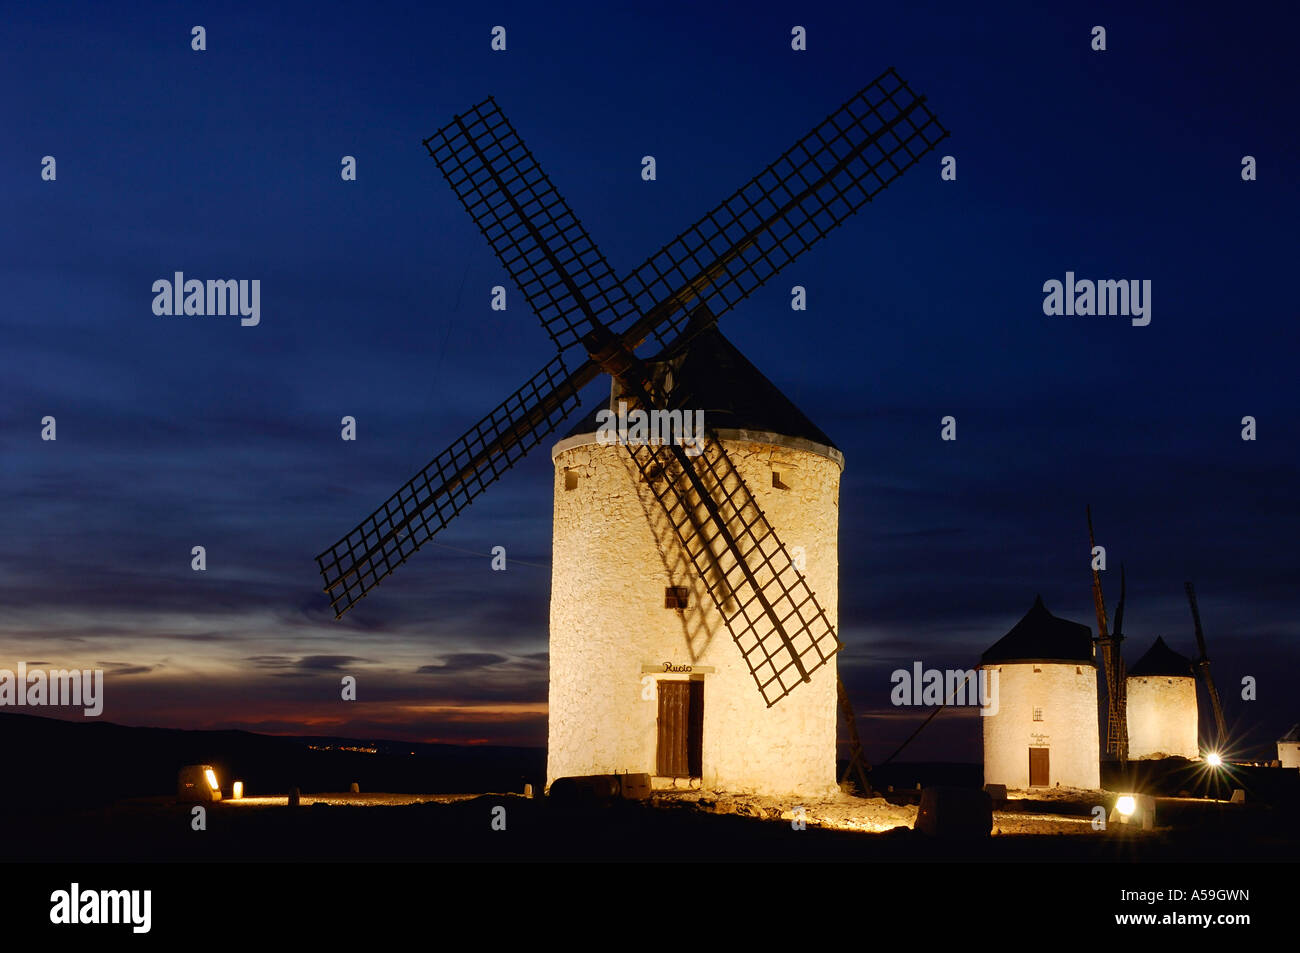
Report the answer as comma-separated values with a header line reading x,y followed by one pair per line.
x,y
1138,810
198,782
237,790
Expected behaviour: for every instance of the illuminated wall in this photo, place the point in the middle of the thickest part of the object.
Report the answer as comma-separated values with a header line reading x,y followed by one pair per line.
x,y
1288,752
1043,705
1162,717
613,556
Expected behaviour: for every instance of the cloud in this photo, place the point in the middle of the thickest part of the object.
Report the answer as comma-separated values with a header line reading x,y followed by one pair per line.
x,y
462,662
328,663
125,668
270,661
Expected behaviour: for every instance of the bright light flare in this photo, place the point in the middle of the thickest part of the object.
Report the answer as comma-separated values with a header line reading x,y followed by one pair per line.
x,y
1213,759
212,778
1126,805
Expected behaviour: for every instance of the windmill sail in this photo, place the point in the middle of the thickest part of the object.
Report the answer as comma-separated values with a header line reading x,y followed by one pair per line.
x,y
1203,667
782,631
543,245
810,190
428,501
1112,662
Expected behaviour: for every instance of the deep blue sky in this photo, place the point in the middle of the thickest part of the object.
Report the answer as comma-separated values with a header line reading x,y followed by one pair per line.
x,y
225,163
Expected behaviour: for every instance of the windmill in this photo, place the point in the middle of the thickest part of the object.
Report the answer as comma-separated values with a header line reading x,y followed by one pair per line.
x,y
1203,669
1112,658
598,322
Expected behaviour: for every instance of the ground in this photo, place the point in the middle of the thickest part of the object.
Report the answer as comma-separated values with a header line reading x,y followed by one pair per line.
x,y
843,812
1037,811
681,826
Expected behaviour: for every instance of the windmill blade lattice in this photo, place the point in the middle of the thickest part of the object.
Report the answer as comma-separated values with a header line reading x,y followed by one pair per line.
x,y
783,633
428,501
542,244
815,185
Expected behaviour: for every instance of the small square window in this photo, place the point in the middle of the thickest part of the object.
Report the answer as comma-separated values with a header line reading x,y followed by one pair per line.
x,y
675,597
1037,668
776,481
570,479
1038,714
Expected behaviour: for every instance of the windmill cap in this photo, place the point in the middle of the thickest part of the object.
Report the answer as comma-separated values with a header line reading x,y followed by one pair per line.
x,y
1291,736
1043,637
1162,660
710,374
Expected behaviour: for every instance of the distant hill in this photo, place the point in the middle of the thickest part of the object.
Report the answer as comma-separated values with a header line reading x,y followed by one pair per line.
x,y
54,764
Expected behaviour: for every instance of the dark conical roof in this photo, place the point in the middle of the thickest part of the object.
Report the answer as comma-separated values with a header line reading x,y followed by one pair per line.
x,y
1042,637
1162,660
709,373
1292,735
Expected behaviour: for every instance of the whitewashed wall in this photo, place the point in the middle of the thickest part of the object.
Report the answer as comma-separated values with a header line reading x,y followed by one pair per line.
x,y
609,572
1162,717
1067,695
1288,752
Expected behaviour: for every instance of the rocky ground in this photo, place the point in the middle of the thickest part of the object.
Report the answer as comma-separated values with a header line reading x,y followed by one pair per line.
x,y
843,812
1040,811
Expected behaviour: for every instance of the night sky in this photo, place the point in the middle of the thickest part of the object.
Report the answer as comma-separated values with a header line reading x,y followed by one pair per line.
x,y
182,431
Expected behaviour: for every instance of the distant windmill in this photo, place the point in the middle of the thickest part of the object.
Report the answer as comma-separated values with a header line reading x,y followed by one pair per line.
x,y
1112,657
1202,664
843,163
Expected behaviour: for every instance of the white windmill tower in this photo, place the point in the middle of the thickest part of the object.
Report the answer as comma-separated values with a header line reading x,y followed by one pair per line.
x,y
643,676
700,532
1044,733
1161,705
1288,748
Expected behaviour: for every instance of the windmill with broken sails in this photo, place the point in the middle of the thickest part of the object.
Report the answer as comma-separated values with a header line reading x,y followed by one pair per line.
x,y
684,527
